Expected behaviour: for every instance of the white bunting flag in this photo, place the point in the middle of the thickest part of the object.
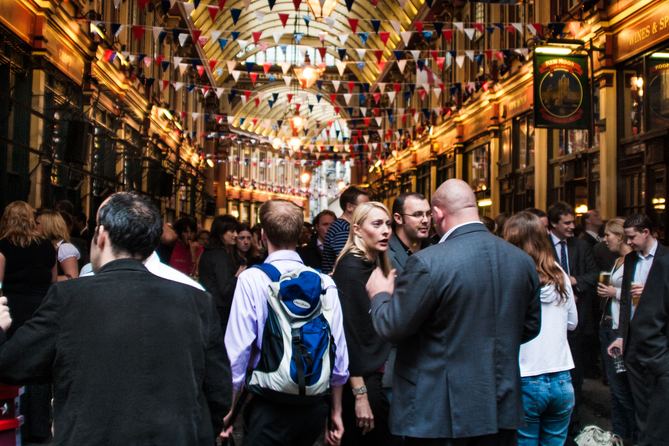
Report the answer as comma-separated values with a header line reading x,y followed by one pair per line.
x,y
379,120
148,61
116,3
231,119
302,49
470,54
231,65
247,3
178,85
460,60
397,26
183,67
391,96
366,138
125,55
156,31
182,38
277,37
523,51
335,84
437,92
261,95
342,38
260,16
243,99
459,26
470,32
361,53
219,92
415,54
401,64
531,29
214,35
347,97
288,80
285,66
471,85
303,97
331,22
242,43
341,66
363,111
324,108
382,87
406,36
235,74
195,116
188,7
177,60
402,3
518,26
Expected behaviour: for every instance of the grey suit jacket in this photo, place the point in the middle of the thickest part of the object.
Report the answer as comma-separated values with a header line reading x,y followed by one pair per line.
x,y
459,313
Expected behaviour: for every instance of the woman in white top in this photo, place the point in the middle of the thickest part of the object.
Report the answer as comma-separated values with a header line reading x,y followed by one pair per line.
x,y
53,228
548,394
622,405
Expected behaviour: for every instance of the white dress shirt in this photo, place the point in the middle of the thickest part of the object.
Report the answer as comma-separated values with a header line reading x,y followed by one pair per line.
x,y
593,235
644,264
556,242
243,337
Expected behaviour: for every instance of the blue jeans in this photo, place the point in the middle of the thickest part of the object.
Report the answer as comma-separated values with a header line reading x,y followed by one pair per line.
x,y
549,401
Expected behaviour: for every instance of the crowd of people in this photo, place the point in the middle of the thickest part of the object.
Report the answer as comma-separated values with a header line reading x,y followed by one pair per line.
x,y
424,324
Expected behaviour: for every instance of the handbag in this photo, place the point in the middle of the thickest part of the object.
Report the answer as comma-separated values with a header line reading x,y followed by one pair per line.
x,y
595,436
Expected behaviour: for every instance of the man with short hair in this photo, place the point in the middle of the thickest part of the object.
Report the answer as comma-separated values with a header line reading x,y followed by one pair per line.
x,y
312,252
459,322
638,263
542,215
576,259
268,422
133,358
336,237
592,223
81,225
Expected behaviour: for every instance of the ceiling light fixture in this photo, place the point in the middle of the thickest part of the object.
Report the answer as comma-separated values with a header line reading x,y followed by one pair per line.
x,y
321,8
554,50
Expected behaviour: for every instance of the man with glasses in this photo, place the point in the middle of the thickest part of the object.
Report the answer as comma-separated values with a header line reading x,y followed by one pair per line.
x,y
412,218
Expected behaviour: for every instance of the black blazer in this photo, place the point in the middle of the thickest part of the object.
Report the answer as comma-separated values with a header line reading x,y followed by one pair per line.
x,y
311,254
649,338
584,269
460,311
133,358
590,240
631,260
604,257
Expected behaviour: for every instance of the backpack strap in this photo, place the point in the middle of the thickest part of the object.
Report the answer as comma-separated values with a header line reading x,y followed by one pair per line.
x,y
270,270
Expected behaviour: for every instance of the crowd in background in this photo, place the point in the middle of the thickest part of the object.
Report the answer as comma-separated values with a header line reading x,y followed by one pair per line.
x,y
590,277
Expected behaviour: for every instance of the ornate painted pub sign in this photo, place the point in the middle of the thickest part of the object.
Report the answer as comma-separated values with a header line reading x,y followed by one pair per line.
x,y
561,92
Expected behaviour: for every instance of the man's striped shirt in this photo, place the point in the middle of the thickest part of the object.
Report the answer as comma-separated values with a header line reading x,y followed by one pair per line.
x,y
335,240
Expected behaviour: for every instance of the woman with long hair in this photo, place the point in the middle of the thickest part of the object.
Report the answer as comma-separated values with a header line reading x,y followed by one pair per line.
x,y
27,270
52,227
245,253
216,269
623,422
365,407
548,394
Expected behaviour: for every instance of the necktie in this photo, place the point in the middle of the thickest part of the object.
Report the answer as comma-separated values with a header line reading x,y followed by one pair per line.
x,y
563,257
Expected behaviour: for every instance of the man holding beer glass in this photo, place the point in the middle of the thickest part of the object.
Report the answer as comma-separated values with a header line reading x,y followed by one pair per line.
x,y
638,229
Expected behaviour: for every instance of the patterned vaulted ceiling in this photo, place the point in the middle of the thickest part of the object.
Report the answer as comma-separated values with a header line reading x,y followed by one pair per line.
x,y
386,10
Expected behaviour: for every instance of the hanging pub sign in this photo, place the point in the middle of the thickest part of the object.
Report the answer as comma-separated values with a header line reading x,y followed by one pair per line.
x,y
561,95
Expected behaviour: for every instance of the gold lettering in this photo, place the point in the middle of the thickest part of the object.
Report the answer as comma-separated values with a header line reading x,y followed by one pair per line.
x,y
654,27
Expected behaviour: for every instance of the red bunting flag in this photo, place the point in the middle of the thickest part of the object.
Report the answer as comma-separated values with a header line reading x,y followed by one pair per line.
x,y
221,4
351,86
297,107
256,36
441,86
205,89
397,88
359,133
376,97
488,54
289,96
375,2
404,119
255,122
448,34
330,122
142,4
322,50
367,121
419,26
183,115
138,32
284,19
434,54
378,54
353,23
337,110
333,98
376,111
384,37
247,94
539,28
266,66
440,62
381,64
297,3
510,29
422,94
200,70
213,10
478,26
212,64
164,85
159,59
108,55
254,77
196,34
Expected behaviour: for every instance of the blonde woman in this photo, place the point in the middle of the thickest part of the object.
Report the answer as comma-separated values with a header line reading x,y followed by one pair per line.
x,y
623,422
52,227
365,408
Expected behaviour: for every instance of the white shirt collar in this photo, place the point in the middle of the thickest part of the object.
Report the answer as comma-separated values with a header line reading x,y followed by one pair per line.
x,y
555,239
283,254
456,227
651,253
593,234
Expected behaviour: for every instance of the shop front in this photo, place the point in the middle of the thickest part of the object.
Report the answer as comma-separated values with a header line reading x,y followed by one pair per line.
x,y
641,57
478,146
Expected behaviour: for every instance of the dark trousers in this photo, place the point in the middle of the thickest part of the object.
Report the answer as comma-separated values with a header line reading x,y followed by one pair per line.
x,y
622,403
267,423
656,431
380,406
36,409
576,346
502,438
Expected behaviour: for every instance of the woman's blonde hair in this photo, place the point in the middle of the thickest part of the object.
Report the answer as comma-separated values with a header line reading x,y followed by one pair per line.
x,y
615,226
18,224
356,245
54,227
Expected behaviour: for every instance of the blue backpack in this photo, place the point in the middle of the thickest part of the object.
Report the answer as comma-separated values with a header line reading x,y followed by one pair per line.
x,y
298,350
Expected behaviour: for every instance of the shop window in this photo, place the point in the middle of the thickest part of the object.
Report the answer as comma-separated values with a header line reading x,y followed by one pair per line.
x,y
423,181
658,89
445,167
633,97
405,183
566,142
234,154
635,193
478,168
525,141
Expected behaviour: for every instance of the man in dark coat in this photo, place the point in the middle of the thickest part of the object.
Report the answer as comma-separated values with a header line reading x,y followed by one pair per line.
x,y
649,348
312,253
459,312
638,263
133,358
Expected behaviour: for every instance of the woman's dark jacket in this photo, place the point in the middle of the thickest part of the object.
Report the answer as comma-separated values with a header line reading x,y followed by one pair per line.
x,y
217,276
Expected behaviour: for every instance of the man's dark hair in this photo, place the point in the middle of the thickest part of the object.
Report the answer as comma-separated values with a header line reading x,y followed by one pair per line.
x,y
350,196
80,217
317,218
639,222
133,224
536,211
67,218
489,224
221,225
65,206
398,204
557,210
185,223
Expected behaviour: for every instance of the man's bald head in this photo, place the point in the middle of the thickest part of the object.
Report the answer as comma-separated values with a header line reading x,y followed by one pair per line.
x,y
455,196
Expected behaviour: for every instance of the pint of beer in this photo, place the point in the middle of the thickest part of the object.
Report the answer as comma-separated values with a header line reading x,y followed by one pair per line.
x,y
605,278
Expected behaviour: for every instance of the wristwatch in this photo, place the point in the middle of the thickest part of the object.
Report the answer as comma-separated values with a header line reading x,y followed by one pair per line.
x,y
359,390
